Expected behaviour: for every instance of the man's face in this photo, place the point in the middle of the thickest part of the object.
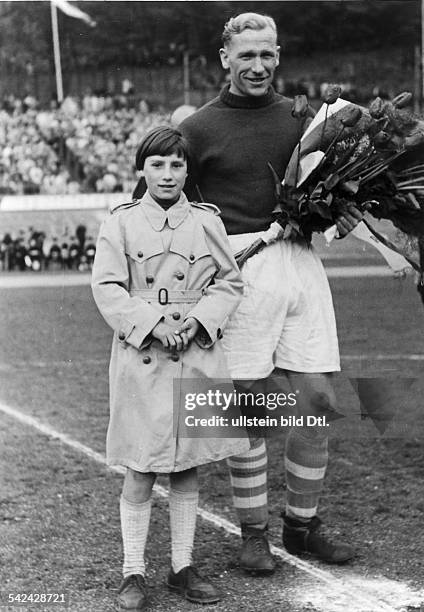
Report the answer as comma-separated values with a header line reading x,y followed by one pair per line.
x,y
252,57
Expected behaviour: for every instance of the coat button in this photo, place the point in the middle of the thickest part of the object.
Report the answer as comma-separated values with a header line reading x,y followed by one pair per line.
x,y
174,357
149,279
121,335
192,258
180,275
147,359
176,315
140,254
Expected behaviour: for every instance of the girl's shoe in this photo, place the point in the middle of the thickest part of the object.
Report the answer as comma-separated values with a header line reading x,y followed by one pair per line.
x,y
192,586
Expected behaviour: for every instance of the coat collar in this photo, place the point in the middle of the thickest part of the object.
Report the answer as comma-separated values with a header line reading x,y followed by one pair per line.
x,y
157,216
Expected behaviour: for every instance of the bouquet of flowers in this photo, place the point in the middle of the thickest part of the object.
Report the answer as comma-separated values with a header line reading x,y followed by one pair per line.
x,y
372,158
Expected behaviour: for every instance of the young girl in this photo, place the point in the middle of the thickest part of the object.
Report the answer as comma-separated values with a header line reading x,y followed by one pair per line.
x,y
166,282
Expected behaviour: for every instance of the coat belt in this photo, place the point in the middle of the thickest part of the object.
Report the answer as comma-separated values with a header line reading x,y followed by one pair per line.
x,y
169,296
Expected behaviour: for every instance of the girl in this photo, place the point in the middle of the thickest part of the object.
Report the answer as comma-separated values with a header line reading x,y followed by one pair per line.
x,y
166,282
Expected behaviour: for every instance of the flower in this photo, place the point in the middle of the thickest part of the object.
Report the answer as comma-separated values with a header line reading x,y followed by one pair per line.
x,y
300,106
332,93
376,108
352,117
402,100
353,156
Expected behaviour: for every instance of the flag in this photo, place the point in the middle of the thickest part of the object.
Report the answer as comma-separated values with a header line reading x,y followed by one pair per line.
x,y
73,11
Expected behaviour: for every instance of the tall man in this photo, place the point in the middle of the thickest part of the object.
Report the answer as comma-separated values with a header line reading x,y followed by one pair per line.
x,y
285,324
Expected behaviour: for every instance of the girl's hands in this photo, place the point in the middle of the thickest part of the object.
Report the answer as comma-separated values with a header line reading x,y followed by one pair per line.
x,y
188,330
165,333
176,339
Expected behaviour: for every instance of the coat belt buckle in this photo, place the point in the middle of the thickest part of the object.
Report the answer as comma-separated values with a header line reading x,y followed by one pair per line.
x,y
163,301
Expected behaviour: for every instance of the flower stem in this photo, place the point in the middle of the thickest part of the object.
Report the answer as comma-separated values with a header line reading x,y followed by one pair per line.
x,y
411,181
242,256
299,146
410,188
414,170
382,168
324,126
351,168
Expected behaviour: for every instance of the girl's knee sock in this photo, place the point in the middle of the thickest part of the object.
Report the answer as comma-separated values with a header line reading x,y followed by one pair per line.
x,y
135,519
182,510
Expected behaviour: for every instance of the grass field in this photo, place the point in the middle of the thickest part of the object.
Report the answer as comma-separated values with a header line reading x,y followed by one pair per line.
x,y
59,522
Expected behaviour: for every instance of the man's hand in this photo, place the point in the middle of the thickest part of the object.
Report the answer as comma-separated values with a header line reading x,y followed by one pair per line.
x,y
166,334
348,220
187,331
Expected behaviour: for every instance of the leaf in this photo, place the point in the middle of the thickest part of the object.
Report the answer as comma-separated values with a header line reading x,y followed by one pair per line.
x,y
277,182
413,201
350,186
317,192
414,140
331,181
320,208
295,226
277,209
287,231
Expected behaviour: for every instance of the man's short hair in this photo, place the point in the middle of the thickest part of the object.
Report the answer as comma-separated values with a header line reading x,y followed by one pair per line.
x,y
246,21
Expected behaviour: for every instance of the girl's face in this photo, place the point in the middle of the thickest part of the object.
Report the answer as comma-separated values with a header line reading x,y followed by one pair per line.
x,y
165,177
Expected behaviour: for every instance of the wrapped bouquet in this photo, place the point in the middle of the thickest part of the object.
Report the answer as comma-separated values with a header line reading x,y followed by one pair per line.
x,y
371,158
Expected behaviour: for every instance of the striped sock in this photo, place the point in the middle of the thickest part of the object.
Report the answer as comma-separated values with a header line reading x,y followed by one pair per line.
x,y
135,519
249,481
305,461
182,511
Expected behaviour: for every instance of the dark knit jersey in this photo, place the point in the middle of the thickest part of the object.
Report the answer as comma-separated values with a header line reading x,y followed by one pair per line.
x,y
232,139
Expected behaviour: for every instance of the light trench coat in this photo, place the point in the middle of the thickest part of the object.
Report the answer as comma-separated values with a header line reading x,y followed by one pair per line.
x,y
143,247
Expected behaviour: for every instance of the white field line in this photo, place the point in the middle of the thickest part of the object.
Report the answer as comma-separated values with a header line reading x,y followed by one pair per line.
x,y
73,279
365,596
382,357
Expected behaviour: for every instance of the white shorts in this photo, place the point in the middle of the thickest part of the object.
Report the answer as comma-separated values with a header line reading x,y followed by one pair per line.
x,y
286,318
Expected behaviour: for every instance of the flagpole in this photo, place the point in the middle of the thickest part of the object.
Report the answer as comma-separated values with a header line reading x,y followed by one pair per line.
x,y
422,54
56,52
186,76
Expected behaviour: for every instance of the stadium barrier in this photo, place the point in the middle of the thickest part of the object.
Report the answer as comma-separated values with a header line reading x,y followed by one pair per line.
x,y
80,201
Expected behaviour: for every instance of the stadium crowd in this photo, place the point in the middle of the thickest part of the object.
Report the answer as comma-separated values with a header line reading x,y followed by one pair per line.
x,y
86,145
33,250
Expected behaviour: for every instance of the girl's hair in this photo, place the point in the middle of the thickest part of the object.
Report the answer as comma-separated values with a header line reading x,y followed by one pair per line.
x,y
246,21
162,140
